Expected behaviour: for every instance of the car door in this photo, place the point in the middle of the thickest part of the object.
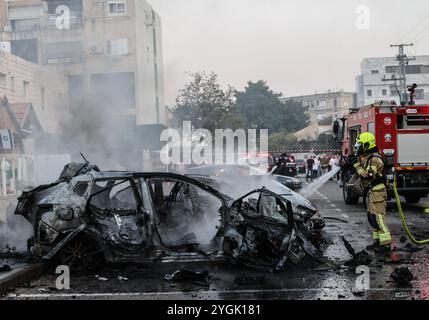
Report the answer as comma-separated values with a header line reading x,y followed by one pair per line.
x,y
260,229
117,212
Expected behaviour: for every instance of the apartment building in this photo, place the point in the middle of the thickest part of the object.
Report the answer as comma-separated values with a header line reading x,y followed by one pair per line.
x,y
371,87
321,106
109,51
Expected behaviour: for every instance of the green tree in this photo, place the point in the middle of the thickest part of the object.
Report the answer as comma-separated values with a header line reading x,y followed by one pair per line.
x,y
205,104
261,108
294,116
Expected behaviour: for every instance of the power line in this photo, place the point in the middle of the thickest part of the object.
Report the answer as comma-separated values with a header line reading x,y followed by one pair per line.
x,y
403,60
414,28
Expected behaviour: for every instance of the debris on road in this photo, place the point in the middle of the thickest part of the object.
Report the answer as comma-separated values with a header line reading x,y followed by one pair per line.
x,y
201,277
402,295
359,292
249,280
5,268
122,278
336,219
402,276
103,279
359,259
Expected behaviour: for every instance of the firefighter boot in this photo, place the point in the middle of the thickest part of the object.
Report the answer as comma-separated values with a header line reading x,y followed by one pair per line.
x,y
376,244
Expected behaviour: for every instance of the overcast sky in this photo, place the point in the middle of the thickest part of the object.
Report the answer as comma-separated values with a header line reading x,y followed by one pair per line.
x,y
298,47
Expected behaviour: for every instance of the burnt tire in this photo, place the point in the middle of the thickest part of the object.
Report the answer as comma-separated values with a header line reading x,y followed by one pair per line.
x,y
412,198
349,196
81,252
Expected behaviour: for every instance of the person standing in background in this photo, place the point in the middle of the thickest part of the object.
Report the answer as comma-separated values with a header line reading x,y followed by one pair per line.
x,y
310,164
316,168
332,165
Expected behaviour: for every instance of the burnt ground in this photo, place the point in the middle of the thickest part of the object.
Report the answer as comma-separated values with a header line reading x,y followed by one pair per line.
x,y
307,280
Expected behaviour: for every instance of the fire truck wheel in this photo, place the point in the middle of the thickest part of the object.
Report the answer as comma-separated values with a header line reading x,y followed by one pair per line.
x,y
349,196
412,198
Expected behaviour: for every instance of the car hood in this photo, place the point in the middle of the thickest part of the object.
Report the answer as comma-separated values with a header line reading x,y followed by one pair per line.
x,y
236,187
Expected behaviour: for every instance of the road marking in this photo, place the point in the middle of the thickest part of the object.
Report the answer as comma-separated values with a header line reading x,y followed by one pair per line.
x,y
155,295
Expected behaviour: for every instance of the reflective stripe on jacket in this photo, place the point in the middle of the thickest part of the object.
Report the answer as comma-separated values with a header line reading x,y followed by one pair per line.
x,y
370,169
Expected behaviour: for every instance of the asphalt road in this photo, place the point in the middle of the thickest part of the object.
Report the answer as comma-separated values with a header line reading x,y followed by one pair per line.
x,y
307,280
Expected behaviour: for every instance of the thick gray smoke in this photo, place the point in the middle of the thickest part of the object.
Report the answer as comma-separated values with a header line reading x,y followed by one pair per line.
x,y
14,233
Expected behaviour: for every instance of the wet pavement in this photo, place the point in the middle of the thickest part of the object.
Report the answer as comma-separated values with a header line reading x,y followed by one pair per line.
x,y
307,280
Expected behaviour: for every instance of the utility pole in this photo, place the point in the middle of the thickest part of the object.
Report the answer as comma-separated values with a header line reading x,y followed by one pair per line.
x,y
403,60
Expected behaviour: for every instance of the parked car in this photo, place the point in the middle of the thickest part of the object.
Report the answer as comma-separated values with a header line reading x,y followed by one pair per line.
x,y
224,170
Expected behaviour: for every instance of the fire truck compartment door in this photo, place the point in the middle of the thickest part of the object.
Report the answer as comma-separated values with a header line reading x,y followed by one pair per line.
x,y
413,148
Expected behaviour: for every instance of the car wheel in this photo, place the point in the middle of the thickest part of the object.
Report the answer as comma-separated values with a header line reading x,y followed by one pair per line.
x,y
81,252
349,196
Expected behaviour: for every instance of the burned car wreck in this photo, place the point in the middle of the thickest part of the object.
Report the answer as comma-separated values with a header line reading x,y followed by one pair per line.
x,y
89,217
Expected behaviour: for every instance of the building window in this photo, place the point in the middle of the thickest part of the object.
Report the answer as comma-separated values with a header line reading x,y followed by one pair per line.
x,y
118,47
2,80
369,93
12,83
371,127
43,98
374,71
117,8
320,104
384,92
26,85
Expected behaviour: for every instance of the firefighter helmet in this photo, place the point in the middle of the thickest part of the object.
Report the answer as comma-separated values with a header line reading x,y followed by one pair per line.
x,y
366,140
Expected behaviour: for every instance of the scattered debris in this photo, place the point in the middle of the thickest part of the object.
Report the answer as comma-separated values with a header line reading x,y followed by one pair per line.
x,y
201,278
5,268
402,276
359,259
249,280
42,290
358,291
336,219
411,248
122,278
401,295
104,279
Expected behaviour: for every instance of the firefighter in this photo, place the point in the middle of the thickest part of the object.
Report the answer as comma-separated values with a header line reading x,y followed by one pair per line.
x,y
369,166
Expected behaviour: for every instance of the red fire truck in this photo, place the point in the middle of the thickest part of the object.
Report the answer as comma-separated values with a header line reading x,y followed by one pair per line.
x,y
402,134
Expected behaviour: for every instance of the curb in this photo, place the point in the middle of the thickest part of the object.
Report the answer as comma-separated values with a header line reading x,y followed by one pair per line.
x,y
19,276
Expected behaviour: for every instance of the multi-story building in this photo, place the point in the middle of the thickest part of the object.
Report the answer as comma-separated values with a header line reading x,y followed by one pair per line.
x,y
371,87
320,106
110,52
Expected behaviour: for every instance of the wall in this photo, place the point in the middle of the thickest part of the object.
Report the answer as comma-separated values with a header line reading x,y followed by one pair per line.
x,y
55,88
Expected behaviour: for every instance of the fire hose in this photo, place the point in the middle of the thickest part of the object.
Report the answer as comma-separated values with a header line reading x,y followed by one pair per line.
x,y
404,222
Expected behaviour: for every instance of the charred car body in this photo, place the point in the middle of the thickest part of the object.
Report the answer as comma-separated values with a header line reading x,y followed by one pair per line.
x,y
88,216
